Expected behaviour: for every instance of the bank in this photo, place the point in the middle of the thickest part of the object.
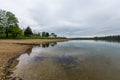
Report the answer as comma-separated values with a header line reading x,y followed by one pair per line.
x,y
10,48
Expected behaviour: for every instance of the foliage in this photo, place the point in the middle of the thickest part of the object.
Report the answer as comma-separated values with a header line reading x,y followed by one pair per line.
x,y
1,29
9,28
109,38
15,31
53,35
45,34
28,31
7,19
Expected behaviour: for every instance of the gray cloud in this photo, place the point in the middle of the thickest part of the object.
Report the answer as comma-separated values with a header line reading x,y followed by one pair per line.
x,y
71,18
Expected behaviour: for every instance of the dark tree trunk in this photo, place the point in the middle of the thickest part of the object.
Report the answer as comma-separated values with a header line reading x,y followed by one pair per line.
x,y
16,35
6,32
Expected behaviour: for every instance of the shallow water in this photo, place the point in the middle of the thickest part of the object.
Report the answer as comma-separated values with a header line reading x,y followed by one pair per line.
x,y
73,60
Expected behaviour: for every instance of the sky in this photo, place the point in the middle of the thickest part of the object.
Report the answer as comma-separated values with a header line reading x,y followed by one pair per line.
x,y
69,18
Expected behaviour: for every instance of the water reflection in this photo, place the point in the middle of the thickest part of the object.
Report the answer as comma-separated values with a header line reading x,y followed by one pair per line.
x,y
13,62
74,60
46,45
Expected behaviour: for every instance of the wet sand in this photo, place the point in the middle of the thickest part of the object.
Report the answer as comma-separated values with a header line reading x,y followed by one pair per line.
x,y
11,48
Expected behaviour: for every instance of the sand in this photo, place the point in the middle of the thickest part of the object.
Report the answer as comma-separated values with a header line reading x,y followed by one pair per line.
x,y
11,48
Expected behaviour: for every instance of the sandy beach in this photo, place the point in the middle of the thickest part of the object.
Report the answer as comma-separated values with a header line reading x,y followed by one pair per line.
x,y
11,48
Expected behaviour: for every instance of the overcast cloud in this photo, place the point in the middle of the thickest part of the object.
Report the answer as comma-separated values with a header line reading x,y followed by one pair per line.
x,y
71,18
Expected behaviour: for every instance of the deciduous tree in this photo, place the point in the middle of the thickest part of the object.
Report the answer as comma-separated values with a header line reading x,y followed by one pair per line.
x,y
7,19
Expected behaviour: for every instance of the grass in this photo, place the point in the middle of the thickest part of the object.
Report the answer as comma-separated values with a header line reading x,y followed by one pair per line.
x,y
3,36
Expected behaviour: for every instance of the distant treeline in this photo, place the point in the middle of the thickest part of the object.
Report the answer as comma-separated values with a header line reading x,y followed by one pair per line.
x,y
115,38
109,38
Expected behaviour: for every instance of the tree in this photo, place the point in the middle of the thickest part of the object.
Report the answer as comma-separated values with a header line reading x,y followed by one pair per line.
x,y
43,34
7,19
53,35
28,31
1,29
47,34
15,31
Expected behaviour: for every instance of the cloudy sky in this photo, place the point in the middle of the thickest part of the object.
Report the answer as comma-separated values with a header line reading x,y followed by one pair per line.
x,y
71,18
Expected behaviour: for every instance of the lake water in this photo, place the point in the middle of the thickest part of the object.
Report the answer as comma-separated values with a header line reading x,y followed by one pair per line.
x,y
72,60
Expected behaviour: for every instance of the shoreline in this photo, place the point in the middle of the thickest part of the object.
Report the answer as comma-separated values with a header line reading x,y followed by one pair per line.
x,y
11,48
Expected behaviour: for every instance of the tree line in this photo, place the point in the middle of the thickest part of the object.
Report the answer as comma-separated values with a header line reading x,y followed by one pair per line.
x,y
9,27
28,32
113,38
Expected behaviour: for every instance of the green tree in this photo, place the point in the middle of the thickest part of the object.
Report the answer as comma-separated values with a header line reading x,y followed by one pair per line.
x,y
43,34
28,31
7,19
1,29
15,31
53,35
47,34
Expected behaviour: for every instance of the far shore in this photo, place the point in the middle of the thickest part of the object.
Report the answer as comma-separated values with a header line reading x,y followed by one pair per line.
x,y
10,48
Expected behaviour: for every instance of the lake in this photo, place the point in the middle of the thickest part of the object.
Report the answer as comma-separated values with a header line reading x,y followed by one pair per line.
x,y
71,60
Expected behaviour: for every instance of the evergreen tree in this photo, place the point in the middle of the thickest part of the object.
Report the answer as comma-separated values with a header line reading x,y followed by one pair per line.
x,y
47,34
28,31
43,34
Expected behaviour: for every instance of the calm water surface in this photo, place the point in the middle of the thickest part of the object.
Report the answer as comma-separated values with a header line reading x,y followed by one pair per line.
x,y
73,60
